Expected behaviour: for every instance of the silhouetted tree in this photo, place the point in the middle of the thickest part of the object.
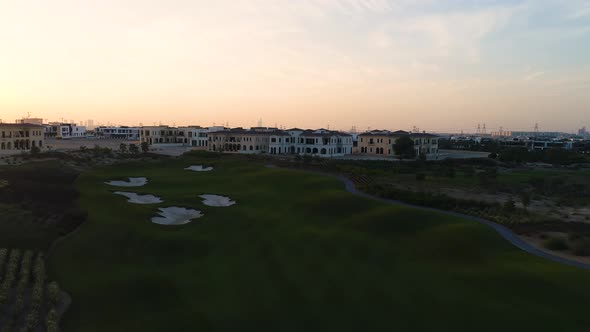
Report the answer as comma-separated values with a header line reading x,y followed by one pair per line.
x,y
404,147
133,149
145,147
123,148
525,199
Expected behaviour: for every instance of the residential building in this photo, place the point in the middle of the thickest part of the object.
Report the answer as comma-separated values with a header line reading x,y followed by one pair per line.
x,y
20,137
425,144
323,143
239,140
61,130
190,136
381,142
117,132
376,142
158,135
198,136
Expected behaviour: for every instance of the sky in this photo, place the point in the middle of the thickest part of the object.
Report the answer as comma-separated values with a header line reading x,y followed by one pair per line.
x,y
439,65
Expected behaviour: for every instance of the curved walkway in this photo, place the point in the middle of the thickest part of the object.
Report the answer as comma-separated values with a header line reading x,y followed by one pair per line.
x,y
504,232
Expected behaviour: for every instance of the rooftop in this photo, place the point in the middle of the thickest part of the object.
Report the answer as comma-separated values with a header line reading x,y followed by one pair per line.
x,y
20,125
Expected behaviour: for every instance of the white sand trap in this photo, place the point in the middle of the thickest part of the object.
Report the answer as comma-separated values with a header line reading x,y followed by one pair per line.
x,y
176,216
133,182
199,168
139,199
216,200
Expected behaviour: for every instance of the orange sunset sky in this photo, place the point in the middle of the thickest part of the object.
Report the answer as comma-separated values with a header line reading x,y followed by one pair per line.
x,y
437,65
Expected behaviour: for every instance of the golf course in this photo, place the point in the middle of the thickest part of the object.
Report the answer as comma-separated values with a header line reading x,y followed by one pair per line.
x,y
294,251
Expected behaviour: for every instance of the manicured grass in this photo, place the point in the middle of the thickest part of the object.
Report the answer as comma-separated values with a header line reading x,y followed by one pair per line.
x,y
297,253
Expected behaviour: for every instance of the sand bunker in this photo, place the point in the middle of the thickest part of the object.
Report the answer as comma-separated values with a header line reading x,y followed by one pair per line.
x,y
139,199
199,168
176,216
216,200
133,182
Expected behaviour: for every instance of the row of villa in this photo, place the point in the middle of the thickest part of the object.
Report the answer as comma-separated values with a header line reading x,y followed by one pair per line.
x,y
23,136
258,140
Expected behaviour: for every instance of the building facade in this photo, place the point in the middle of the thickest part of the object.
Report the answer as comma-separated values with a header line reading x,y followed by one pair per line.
x,y
376,142
381,142
117,132
157,135
190,136
239,140
322,143
64,130
20,137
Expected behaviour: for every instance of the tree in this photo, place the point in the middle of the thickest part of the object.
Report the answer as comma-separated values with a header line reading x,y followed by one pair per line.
x,y
525,199
133,149
35,150
145,147
123,148
509,206
404,147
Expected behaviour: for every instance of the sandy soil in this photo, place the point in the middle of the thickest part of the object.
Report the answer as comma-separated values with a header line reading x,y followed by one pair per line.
x,y
139,199
199,168
216,200
133,182
176,216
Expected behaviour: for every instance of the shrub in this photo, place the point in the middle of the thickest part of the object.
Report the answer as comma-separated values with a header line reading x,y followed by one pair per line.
x,y
35,150
420,176
509,206
555,244
53,293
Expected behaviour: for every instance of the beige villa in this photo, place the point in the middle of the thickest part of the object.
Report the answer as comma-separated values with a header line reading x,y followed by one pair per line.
x,y
20,137
380,143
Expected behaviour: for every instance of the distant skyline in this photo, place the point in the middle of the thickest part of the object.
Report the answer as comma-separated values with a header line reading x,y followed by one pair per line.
x,y
439,65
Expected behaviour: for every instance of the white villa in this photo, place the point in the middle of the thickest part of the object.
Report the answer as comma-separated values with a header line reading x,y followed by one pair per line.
x,y
64,130
118,132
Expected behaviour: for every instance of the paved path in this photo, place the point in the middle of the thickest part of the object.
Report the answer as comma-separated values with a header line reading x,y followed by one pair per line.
x,y
504,232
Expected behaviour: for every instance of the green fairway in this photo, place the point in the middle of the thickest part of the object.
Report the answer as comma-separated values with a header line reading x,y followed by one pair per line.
x,y
296,253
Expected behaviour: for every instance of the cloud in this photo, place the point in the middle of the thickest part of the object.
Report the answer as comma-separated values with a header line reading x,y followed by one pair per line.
x,y
458,35
533,75
578,9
